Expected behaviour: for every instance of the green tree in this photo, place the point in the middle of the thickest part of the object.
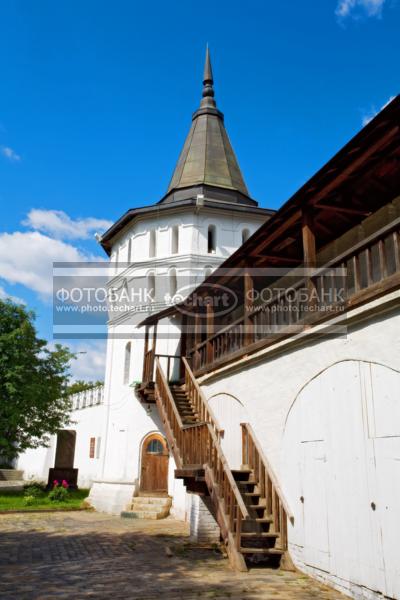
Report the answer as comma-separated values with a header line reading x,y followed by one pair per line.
x,y
33,384
80,386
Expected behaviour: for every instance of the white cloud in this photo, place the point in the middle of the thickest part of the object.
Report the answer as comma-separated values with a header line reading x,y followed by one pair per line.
x,y
10,154
90,362
27,258
5,295
58,224
369,115
356,8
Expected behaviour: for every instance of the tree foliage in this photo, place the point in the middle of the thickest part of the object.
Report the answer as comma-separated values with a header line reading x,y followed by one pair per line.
x,y
33,384
80,386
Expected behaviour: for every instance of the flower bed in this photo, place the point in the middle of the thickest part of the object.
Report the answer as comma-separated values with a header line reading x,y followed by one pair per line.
x,y
36,497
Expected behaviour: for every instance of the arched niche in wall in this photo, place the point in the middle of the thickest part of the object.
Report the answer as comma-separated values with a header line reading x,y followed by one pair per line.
x,y
173,281
151,285
211,239
340,453
175,239
127,362
230,412
152,243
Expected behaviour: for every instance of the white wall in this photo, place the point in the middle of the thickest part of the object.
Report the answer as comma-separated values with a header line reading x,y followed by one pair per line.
x,y
88,423
268,388
127,420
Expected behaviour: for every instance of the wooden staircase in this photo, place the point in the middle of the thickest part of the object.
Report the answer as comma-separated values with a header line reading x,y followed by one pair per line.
x,y
248,503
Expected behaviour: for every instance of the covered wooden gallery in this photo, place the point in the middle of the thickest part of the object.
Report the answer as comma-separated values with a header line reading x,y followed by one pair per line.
x,y
332,246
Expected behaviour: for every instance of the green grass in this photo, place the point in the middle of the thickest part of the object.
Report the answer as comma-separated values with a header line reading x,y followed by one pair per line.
x,y
16,501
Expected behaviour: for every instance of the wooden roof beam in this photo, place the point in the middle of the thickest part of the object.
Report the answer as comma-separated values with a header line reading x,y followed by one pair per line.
x,y
343,210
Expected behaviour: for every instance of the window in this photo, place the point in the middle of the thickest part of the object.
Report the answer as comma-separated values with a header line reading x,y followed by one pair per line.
x,y
153,243
175,239
211,239
129,250
127,362
114,259
151,287
173,282
92,445
245,235
98,447
155,447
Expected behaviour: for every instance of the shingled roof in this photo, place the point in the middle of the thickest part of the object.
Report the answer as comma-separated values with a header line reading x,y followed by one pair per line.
x,y
207,157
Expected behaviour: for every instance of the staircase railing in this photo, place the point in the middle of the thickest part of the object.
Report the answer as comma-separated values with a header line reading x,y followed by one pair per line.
x,y
197,399
198,446
276,504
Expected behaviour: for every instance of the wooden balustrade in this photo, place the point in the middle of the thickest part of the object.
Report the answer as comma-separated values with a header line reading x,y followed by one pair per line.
x,y
269,488
198,446
196,397
366,270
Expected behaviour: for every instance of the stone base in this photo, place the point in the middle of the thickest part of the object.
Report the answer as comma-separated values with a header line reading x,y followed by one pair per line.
x,y
204,528
148,508
59,474
111,496
11,475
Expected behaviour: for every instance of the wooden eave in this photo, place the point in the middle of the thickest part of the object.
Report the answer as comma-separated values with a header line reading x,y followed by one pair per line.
x,y
363,176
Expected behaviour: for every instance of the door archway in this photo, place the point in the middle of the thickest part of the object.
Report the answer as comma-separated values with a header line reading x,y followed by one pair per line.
x,y
230,412
154,465
341,471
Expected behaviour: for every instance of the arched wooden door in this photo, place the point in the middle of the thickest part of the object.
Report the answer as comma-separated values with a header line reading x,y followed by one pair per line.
x,y
154,470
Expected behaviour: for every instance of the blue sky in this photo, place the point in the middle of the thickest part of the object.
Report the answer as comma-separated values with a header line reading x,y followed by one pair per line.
x,y
96,100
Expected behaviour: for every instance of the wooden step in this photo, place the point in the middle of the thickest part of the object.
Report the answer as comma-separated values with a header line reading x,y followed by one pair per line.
x,y
244,484
241,474
266,551
262,534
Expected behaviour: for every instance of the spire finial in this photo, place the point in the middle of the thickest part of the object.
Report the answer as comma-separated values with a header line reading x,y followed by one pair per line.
x,y
208,81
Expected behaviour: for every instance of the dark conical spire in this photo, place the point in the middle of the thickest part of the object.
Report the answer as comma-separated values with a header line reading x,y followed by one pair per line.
x,y
207,157
208,81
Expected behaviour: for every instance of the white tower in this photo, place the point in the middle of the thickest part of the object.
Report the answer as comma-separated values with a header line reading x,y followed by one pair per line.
x,y
157,253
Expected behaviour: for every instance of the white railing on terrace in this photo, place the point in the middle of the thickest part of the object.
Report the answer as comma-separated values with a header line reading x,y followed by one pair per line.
x,y
86,398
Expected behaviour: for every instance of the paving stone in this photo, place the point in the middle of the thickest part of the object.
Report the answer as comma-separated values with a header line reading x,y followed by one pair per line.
x,y
92,555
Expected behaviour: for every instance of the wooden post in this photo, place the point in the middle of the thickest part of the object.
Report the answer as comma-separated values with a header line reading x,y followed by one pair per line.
x,y
248,286
146,348
309,253
197,340
153,353
210,331
183,344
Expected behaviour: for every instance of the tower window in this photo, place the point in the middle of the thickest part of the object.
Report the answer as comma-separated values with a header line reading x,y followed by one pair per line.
x,y
153,243
173,282
175,239
245,235
127,363
151,286
129,250
211,239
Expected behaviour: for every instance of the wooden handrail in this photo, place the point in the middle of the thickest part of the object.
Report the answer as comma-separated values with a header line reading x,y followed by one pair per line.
x,y
267,482
233,339
198,400
197,445
228,473
166,390
270,470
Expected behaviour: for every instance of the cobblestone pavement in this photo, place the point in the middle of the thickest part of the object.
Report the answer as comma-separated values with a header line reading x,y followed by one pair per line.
x,y
78,555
